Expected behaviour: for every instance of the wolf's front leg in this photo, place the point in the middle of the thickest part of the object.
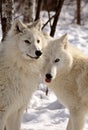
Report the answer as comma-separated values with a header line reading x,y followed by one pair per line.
x,y
76,121
69,125
3,119
14,121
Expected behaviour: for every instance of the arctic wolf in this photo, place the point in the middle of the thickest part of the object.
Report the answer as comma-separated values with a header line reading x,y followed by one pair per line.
x,y
20,65
66,72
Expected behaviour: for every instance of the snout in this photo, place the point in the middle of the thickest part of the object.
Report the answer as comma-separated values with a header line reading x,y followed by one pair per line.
x,y
38,53
48,77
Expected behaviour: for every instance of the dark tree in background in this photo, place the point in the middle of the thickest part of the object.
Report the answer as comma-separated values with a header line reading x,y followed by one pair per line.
x,y
58,11
50,5
0,7
6,16
39,5
28,10
78,11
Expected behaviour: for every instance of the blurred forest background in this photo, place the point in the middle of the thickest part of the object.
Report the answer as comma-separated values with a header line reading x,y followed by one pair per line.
x,y
30,10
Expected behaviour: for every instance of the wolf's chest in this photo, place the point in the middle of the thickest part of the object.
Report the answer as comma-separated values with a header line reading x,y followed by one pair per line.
x,y
23,87
65,90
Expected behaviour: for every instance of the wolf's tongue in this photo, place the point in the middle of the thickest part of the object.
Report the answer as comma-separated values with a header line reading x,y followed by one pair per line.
x,y
48,80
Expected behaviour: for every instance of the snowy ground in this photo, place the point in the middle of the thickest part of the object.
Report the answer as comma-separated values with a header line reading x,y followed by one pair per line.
x,y
45,112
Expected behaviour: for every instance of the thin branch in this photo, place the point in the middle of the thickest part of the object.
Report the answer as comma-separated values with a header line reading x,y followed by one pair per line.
x,y
49,18
48,21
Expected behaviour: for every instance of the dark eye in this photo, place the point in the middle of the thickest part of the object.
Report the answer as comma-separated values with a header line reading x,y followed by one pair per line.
x,y
26,41
38,41
57,60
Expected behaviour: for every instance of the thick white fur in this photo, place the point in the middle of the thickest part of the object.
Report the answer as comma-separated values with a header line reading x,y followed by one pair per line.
x,y
19,74
69,79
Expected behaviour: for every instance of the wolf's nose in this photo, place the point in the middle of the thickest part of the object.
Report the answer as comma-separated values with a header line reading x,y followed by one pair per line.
x,y
38,53
48,76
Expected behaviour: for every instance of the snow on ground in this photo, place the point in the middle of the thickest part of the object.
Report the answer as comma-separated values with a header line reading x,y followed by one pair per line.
x,y
45,112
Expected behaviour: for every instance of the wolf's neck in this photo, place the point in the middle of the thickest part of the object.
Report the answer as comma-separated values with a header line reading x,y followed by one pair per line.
x,y
12,57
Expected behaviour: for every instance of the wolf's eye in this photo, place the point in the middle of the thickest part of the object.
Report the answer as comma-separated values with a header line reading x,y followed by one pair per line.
x,y
57,60
26,41
38,41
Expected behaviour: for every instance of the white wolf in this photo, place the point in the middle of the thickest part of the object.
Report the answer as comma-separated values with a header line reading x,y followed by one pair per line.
x,y
20,66
66,72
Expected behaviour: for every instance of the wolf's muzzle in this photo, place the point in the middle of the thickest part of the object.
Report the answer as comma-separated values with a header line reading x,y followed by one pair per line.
x,y
48,77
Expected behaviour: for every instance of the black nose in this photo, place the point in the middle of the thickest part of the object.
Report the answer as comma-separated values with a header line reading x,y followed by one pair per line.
x,y
38,53
48,76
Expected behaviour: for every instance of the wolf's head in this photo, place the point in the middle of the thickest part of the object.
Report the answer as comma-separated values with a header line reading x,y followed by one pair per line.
x,y
28,39
58,60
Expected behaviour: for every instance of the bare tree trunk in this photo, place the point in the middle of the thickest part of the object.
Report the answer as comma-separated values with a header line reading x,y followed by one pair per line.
x,y
0,7
78,11
58,11
28,11
39,4
6,16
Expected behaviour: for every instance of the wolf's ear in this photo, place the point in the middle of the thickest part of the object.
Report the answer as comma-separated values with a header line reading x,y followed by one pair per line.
x,y
17,27
64,40
37,24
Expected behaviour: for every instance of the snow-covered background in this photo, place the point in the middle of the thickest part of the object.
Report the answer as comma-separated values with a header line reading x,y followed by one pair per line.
x,y
45,112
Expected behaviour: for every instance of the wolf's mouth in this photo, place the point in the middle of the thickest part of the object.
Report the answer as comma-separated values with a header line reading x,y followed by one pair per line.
x,y
48,80
32,56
